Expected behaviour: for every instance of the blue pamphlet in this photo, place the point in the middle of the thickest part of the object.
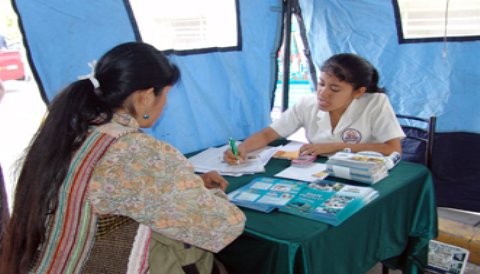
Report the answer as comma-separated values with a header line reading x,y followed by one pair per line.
x,y
323,200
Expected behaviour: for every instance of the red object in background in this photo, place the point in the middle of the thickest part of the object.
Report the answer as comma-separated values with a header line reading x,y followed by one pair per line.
x,y
2,90
11,65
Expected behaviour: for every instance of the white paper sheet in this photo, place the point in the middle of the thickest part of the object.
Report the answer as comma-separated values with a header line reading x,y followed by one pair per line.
x,y
309,173
211,159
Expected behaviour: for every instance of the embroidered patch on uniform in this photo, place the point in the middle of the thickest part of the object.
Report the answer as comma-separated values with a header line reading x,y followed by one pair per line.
x,y
351,136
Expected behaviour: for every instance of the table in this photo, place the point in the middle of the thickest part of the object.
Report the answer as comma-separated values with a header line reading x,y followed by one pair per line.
x,y
395,228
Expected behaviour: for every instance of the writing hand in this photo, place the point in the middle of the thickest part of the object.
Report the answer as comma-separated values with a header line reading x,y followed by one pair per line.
x,y
233,159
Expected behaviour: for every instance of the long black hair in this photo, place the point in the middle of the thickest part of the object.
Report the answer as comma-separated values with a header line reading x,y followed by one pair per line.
x,y
353,69
121,71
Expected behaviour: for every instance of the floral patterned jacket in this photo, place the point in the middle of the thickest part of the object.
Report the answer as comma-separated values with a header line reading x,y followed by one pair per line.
x,y
153,183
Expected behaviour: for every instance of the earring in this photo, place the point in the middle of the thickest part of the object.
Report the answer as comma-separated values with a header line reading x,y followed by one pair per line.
x,y
146,116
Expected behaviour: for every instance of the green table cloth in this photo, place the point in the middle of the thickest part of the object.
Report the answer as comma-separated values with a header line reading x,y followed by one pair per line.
x,y
395,229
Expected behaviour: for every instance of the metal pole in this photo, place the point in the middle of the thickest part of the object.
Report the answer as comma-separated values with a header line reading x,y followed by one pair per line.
x,y
286,53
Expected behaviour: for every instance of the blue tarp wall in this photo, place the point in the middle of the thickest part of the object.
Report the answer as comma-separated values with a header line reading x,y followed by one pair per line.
x,y
229,94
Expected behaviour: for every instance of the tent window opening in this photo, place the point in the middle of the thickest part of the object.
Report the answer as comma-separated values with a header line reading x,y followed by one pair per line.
x,y
186,25
438,19
299,74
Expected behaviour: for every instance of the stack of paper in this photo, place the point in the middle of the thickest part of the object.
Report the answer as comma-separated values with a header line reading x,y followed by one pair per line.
x,y
211,159
358,167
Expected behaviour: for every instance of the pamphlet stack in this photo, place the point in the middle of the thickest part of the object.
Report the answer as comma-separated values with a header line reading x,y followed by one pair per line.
x,y
361,167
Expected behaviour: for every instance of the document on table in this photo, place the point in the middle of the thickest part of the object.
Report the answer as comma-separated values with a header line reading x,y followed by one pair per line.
x,y
289,151
292,146
211,159
313,172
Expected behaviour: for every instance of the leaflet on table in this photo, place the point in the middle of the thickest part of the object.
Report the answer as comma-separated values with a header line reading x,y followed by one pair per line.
x,y
212,159
265,193
289,151
310,173
327,201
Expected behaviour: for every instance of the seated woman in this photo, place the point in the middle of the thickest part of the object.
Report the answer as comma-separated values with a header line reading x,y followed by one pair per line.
x,y
98,195
349,111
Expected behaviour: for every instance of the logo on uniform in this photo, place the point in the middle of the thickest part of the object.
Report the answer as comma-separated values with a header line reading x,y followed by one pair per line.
x,y
351,136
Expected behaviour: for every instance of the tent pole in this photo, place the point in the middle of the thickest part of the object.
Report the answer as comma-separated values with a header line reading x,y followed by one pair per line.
x,y
286,53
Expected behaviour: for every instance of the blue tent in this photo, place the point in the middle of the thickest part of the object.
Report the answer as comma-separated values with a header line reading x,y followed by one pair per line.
x,y
230,93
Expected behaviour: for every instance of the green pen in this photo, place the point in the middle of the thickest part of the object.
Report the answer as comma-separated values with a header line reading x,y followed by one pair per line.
x,y
233,146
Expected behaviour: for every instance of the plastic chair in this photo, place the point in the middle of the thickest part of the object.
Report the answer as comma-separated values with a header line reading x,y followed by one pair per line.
x,y
417,146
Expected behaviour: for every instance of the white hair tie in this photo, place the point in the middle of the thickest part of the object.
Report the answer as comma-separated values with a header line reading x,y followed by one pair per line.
x,y
91,77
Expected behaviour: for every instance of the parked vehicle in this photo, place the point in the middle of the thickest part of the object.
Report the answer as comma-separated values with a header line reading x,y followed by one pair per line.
x,y
11,65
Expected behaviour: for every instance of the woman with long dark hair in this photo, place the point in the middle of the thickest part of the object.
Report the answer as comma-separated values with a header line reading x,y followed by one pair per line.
x,y
94,190
349,111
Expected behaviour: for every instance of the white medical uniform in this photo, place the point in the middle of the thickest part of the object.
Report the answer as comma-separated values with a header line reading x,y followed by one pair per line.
x,y
368,119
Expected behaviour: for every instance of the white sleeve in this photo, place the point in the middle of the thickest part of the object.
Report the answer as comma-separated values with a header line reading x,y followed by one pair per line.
x,y
385,123
292,119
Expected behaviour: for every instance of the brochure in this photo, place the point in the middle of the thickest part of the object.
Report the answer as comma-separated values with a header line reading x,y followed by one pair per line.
x,y
446,259
322,200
